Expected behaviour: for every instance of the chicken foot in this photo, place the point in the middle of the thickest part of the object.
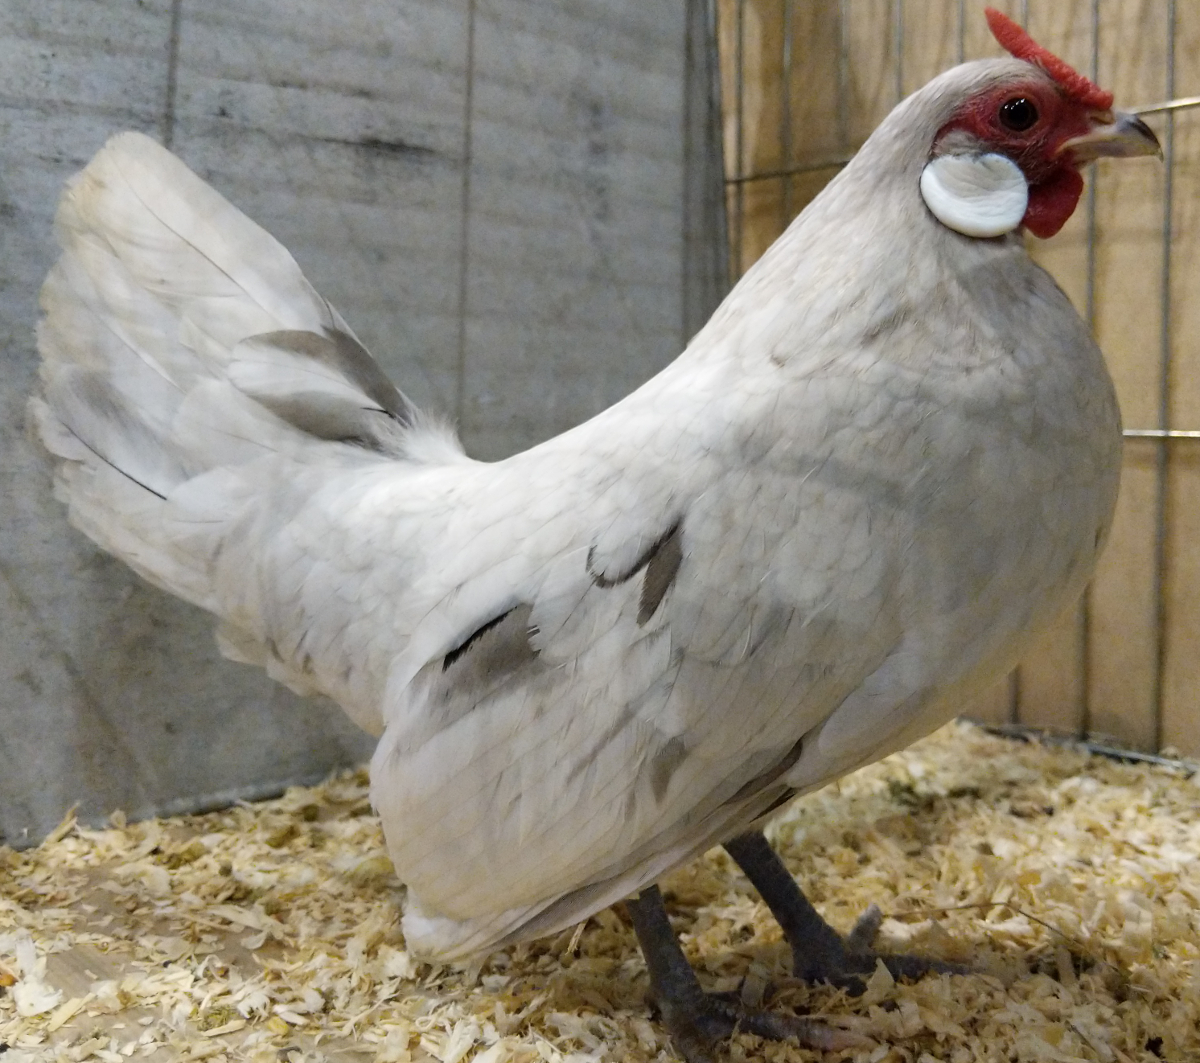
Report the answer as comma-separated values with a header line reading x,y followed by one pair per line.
x,y
697,1020
820,953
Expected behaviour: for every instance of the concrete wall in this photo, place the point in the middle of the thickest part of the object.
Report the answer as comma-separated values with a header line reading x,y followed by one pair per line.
x,y
514,203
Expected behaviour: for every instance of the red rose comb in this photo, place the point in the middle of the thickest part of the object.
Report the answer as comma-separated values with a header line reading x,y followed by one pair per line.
x,y
1020,45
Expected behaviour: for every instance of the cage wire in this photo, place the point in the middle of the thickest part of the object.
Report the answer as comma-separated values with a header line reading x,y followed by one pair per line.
x,y
742,177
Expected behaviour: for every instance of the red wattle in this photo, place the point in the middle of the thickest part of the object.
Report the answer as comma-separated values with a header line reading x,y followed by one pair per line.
x,y
1052,202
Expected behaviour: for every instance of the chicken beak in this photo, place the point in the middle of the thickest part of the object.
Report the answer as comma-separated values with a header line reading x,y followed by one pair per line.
x,y
1113,134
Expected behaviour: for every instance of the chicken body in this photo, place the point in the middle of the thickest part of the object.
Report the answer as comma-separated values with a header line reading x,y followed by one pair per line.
x,y
875,513
882,468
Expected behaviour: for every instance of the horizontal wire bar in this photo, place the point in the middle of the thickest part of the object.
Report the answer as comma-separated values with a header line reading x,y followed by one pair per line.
x,y
1184,103
1159,433
1109,750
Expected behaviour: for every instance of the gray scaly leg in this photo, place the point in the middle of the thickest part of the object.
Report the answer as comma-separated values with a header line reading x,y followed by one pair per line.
x,y
819,953
697,1020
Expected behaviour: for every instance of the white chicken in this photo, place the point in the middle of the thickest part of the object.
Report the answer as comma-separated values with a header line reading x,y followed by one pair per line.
x,y
883,467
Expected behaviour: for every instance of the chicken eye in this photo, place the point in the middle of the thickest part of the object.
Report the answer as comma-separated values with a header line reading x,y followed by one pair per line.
x,y
1018,114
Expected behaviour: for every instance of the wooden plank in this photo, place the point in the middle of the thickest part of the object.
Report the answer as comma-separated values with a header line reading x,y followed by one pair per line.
x,y
813,103
994,705
1051,679
1128,324
764,86
753,144
1181,680
930,40
762,207
873,62
978,42
729,49
1122,657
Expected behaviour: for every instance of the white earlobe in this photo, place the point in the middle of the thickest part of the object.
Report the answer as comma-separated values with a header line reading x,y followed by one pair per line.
x,y
976,195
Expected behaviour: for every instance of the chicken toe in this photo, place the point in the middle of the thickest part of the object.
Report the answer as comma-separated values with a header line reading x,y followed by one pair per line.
x,y
697,1021
820,953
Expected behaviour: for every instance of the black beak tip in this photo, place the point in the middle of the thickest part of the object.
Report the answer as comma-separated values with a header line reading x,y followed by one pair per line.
x,y
1145,131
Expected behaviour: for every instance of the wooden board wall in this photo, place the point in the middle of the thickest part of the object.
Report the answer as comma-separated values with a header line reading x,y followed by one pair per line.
x,y
1126,663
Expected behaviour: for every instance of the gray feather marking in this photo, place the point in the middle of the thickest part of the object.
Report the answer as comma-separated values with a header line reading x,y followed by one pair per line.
x,y
778,803
764,779
664,765
661,561
661,570
324,418
498,647
352,360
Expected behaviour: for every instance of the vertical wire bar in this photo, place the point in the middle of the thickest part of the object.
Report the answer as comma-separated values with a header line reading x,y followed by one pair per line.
x,y
716,131
464,230
1084,633
1014,677
962,30
167,125
843,75
1164,395
785,113
899,46
739,193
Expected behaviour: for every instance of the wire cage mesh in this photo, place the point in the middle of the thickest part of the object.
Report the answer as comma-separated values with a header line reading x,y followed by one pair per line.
x,y
803,83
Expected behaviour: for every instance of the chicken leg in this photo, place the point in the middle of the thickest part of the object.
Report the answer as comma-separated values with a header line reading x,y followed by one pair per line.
x,y
697,1020
820,953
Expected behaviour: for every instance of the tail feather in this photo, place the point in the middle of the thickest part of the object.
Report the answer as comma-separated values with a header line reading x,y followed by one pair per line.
x,y
121,517
96,314
320,384
186,245
126,420
185,357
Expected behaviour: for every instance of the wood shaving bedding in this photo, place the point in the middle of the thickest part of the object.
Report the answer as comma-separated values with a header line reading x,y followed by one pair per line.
x,y
270,932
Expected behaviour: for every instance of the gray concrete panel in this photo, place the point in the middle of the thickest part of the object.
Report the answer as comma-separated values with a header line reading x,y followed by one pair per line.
x,y
358,133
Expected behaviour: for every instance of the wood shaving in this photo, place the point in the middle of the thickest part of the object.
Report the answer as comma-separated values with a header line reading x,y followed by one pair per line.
x,y
270,932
